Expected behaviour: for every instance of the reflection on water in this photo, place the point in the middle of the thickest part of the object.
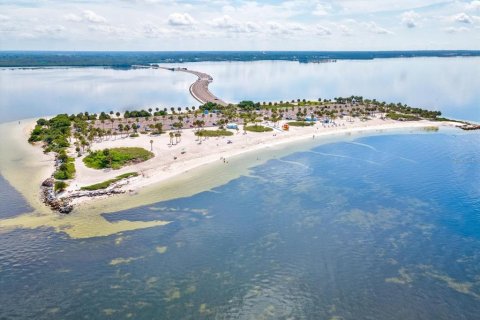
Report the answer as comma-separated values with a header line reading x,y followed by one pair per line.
x,y
359,235
447,84
27,93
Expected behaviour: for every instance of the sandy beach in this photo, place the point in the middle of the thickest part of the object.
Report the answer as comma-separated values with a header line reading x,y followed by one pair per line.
x,y
182,169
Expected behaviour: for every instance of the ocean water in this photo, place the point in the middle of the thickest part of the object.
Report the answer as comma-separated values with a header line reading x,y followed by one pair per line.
x,y
381,227
446,84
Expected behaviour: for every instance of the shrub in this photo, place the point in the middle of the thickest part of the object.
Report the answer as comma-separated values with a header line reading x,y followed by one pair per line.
x,y
116,158
60,186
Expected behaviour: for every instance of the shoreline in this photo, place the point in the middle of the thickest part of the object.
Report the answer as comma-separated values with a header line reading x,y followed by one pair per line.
x,y
164,167
178,179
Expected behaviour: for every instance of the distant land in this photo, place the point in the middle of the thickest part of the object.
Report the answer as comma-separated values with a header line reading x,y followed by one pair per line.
x,y
125,59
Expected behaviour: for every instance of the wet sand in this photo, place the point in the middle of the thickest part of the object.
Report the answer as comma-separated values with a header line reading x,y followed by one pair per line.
x,y
201,168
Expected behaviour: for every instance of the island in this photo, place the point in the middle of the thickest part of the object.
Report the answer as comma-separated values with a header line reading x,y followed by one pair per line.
x,y
100,155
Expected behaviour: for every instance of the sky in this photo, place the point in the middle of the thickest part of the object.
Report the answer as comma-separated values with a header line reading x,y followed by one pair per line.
x,y
169,25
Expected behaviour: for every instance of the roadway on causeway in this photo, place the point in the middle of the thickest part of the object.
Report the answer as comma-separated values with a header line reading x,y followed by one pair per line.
x,y
199,89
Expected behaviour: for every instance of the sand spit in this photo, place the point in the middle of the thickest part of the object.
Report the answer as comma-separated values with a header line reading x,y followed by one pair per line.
x,y
178,170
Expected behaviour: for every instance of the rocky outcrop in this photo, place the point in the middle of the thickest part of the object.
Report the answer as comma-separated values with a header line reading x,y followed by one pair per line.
x,y
470,126
49,197
62,203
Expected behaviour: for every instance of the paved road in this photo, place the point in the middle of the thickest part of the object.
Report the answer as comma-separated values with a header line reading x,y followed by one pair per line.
x,y
199,89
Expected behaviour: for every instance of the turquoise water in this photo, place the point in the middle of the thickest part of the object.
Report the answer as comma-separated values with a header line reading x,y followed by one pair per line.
x,y
382,227
446,84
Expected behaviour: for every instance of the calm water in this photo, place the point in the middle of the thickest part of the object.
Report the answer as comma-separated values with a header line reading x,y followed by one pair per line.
x,y
447,84
384,227
368,229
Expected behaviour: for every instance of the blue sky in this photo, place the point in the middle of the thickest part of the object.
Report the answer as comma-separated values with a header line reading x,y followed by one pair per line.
x,y
239,25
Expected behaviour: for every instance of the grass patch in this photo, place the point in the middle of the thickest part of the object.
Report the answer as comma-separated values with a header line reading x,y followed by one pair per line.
x,y
116,158
402,116
214,133
300,123
106,184
258,128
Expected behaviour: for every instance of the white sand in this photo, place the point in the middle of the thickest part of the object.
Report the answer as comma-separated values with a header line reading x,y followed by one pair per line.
x,y
25,167
163,166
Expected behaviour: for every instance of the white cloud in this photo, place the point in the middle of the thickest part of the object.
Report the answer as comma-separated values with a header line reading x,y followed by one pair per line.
x,y
261,25
50,30
180,19
462,18
456,30
151,30
91,16
4,18
72,17
321,9
225,22
410,19
276,28
322,31
87,15
473,6
228,23
375,28
296,27
345,30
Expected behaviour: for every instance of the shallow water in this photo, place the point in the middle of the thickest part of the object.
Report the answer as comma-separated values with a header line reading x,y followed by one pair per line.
x,y
364,229
446,84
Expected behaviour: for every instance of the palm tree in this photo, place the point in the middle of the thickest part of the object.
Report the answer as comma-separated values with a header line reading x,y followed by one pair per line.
x,y
151,145
159,126
171,137
120,128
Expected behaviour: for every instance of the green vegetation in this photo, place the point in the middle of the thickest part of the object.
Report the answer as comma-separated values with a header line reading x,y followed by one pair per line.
x,y
300,123
116,158
402,117
258,128
66,170
210,106
106,184
54,133
125,59
136,114
60,186
214,133
248,105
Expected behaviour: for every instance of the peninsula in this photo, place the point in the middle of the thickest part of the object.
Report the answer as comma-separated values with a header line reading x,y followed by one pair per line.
x,y
199,89
99,155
